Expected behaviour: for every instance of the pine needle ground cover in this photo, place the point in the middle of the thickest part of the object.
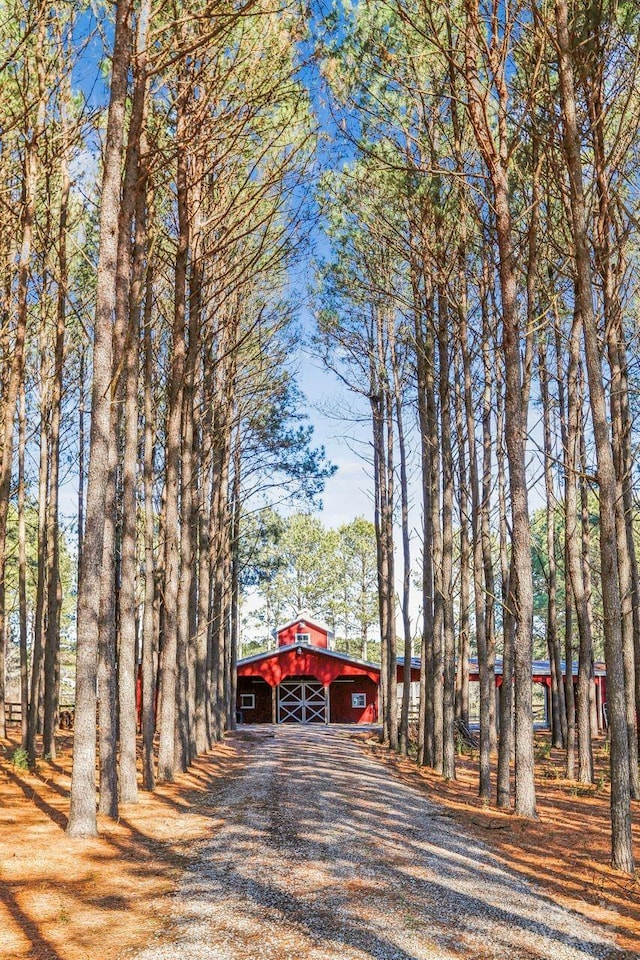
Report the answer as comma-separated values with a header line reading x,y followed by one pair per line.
x,y
567,850
97,898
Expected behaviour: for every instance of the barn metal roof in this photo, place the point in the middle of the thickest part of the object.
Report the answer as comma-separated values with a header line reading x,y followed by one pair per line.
x,y
542,668
415,661
539,668
312,647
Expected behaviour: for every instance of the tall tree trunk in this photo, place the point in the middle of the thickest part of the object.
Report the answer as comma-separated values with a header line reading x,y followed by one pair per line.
x,y
16,371
575,576
406,567
489,680
612,322
564,416
202,674
215,650
183,714
219,543
392,659
107,677
54,589
185,736
448,713
604,240
505,745
149,634
22,576
81,463
425,741
116,667
496,157
558,708
39,625
167,761
586,571
127,660
462,674
437,662
82,815
236,519
376,402
131,265
622,845
478,568
515,433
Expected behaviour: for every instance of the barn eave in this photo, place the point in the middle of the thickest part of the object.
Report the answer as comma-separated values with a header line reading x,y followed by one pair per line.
x,y
321,651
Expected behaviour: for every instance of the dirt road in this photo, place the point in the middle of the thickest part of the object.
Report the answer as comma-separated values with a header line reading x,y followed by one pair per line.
x,y
320,852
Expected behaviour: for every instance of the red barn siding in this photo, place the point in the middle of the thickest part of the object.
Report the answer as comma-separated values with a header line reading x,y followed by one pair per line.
x,y
306,662
341,710
415,674
262,692
317,636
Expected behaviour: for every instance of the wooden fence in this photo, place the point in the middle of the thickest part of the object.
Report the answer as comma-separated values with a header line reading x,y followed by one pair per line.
x,y
66,712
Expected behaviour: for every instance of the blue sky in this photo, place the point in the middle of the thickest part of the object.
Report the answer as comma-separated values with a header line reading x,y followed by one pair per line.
x,y
349,492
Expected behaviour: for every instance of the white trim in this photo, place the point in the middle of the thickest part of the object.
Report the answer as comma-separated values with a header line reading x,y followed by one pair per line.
x,y
361,699
247,696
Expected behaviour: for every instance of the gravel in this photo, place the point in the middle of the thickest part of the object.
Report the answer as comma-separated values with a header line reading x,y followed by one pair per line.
x,y
320,852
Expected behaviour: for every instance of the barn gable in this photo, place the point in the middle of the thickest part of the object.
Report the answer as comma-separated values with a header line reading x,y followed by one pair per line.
x,y
306,630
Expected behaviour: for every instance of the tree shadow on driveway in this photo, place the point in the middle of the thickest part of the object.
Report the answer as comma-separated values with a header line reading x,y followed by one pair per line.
x,y
316,807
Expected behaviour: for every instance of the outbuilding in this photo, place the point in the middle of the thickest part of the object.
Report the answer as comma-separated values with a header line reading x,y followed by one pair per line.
x,y
305,681
541,691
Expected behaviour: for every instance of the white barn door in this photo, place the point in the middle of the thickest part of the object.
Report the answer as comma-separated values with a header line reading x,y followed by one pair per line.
x,y
301,701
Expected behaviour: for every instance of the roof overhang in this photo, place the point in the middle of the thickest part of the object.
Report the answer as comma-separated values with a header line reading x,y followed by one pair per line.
x,y
303,659
300,647
541,668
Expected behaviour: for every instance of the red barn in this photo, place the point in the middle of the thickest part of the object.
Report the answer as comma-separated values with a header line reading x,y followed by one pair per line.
x,y
304,681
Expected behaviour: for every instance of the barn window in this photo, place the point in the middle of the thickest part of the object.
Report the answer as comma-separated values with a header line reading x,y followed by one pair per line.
x,y
247,701
358,700
303,638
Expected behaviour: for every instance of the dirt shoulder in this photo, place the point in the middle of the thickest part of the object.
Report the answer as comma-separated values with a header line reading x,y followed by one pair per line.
x,y
566,851
63,899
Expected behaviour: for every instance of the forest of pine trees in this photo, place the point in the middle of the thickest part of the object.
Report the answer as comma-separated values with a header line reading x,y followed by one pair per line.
x,y
482,282
471,169
293,564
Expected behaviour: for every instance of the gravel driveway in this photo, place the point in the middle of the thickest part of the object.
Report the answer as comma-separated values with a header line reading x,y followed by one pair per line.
x,y
320,852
